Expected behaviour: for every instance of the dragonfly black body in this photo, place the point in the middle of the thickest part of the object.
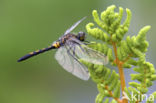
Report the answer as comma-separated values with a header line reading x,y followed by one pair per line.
x,y
55,45
70,49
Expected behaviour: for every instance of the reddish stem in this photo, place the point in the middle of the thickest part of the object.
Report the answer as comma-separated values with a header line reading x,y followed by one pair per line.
x,y
121,72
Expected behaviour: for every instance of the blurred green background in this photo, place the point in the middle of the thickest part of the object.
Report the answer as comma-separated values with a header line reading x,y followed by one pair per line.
x,y
27,25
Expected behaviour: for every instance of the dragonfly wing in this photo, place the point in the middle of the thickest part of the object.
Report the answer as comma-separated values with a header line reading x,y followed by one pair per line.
x,y
87,54
74,26
70,64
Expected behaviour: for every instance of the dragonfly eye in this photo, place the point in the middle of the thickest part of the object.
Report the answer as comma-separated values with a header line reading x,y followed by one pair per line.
x,y
81,36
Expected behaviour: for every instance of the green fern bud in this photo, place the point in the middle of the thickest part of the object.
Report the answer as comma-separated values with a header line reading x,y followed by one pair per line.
x,y
153,77
113,101
117,90
106,100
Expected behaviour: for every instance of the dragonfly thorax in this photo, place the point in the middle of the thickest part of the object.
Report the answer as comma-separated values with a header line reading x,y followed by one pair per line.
x,y
63,39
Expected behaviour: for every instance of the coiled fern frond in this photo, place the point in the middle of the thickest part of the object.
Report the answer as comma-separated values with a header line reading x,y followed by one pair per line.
x,y
128,53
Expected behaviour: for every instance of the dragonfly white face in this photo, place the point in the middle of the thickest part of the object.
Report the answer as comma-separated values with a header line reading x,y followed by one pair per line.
x,y
81,36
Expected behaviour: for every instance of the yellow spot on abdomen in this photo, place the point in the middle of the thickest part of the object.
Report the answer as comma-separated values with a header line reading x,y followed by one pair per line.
x,y
37,51
56,45
31,53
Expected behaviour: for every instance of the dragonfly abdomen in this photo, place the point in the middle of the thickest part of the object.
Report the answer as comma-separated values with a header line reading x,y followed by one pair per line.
x,y
57,44
31,54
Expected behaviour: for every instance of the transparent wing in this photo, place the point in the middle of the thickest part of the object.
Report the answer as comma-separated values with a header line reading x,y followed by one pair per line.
x,y
85,53
74,26
71,64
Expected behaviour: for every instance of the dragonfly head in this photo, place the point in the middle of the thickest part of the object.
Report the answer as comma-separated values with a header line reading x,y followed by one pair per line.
x,y
81,36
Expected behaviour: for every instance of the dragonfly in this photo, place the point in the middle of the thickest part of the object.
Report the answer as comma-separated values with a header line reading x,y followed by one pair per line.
x,y
71,48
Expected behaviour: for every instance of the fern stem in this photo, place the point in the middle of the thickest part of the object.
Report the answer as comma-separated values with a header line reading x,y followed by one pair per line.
x,y
121,72
119,64
111,94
